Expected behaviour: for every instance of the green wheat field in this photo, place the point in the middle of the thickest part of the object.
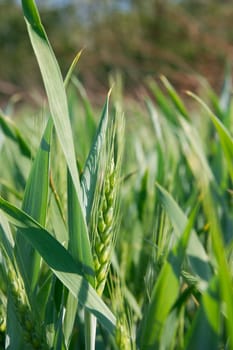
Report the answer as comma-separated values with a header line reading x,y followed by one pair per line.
x,y
116,228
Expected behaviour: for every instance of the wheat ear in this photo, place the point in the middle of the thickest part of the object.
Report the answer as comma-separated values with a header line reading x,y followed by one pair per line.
x,y
105,210
33,331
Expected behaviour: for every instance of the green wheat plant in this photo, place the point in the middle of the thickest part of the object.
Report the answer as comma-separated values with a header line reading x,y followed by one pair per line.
x,y
117,232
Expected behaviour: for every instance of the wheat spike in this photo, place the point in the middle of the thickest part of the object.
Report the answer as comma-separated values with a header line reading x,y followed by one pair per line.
x,y
105,210
33,331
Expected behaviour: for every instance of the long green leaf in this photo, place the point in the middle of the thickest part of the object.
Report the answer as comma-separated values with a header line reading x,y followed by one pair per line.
x,y
15,339
61,263
205,329
89,114
198,258
57,99
54,85
35,204
71,69
79,249
78,243
224,135
165,291
89,176
163,102
69,319
178,103
11,131
6,239
224,271
36,191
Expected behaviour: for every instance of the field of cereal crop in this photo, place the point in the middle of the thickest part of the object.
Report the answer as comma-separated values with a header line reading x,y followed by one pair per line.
x,y
115,227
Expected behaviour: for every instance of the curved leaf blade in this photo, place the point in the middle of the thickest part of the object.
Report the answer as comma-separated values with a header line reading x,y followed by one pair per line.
x,y
57,100
205,329
61,263
224,135
165,290
89,176
198,258
35,204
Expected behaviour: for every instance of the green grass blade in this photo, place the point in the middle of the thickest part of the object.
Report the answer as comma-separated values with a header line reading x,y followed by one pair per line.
x,y
88,183
71,69
57,223
195,153
166,290
79,249
58,343
223,266
69,319
8,187
6,238
35,204
78,246
11,131
162,101
15,338
78,243
69,272
205,329
198,258
54,86
224,136
156,122
90,120
89,176
178,103
36,191
57,99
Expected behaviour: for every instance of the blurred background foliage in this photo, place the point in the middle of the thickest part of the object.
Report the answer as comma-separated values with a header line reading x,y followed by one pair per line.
x,y
181,39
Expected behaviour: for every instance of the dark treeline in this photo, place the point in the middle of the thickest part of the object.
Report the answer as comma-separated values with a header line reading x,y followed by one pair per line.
x,y
139,38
